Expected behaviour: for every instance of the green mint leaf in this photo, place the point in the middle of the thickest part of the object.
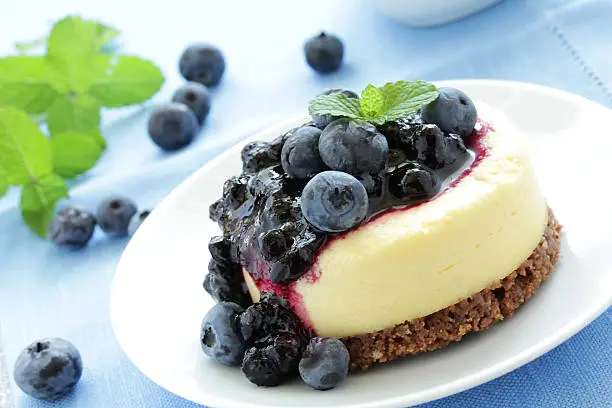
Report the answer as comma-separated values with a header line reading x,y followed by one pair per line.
x,y
336,105
74,112
27,83
4,184
372,101
403,98
124,80
39,198
72,45
106,35
25,153
74,153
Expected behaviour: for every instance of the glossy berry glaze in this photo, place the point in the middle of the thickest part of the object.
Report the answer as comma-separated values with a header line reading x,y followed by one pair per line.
x,y
260,214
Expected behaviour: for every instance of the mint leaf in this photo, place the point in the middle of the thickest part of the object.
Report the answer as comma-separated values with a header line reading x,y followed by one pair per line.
x,y
74,153
337,105
71,47
38,201
105,37
372,101
4,184
124,80
74,112
26,83
403,98
25,153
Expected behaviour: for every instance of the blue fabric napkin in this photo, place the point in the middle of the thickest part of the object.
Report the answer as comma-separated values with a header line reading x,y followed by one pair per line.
x,y
45,291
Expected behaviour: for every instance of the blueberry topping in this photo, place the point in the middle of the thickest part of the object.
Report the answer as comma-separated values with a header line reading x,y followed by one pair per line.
x,y
429,146
203,63
48,369
279,209
272,244
353,148
224,282
324,52
257,156
261,367
300,155
334,201
136,221
220,248
196,97
453,112
235,191
414,182
72,227
457,153
173,126
265,182
114,215
220,335
321,121
324,363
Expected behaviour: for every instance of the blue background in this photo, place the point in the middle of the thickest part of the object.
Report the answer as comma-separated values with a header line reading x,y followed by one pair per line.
x,y
45,291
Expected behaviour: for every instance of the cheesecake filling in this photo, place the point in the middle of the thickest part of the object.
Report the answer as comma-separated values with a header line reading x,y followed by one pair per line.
x,y
411,262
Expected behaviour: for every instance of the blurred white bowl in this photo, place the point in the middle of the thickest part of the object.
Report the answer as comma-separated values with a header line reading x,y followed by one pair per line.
x,y
422,13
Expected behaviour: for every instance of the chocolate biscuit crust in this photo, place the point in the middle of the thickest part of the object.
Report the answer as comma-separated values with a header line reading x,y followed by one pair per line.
x,y
476,313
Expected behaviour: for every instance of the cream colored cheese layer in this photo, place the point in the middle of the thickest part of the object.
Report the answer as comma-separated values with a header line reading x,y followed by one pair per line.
x,y
411,263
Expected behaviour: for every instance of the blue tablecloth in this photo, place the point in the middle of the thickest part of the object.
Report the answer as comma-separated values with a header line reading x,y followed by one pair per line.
x,y
48,292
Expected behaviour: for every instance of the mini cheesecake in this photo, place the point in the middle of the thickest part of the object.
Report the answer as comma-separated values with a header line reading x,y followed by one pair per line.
x,y
418,272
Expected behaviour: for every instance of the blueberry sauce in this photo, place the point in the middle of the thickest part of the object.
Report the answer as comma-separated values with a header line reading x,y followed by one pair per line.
x,y
260,209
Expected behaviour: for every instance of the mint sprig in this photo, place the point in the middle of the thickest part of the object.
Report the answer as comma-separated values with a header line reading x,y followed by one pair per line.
x,y
377,105
67,87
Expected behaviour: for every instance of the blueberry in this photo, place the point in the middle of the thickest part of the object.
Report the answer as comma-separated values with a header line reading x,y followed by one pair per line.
x,y
72,227
334,201
220,248
457,152
196,97
353,148
261,367
203,63
300,155
114,215
453,111
173,126
321,121
48,369
216,210
224,283
272,244
414,182
429,146
257,156
291,266
324,52
375,187
279,209
324,363
265,182
136,221
220,335
235,191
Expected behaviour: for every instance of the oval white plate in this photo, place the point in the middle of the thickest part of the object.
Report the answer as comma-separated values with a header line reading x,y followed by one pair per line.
x,y
157,299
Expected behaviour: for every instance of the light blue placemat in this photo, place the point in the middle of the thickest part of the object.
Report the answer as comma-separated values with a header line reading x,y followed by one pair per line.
x,y
45,291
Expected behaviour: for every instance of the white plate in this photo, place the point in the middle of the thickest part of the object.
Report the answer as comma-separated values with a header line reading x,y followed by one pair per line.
x,y
157,300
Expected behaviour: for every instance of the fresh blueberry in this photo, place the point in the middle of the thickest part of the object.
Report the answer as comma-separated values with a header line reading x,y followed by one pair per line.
x,y
257,156
48,369
136,221
353,148
453,111
334,201
196,97
72,227
300,155
220,335
321,121
324,52
173,126
414,181
324,363
203,63
114,215
261,367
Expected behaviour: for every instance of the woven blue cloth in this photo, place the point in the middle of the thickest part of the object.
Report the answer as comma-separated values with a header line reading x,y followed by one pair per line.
x,y
45,291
